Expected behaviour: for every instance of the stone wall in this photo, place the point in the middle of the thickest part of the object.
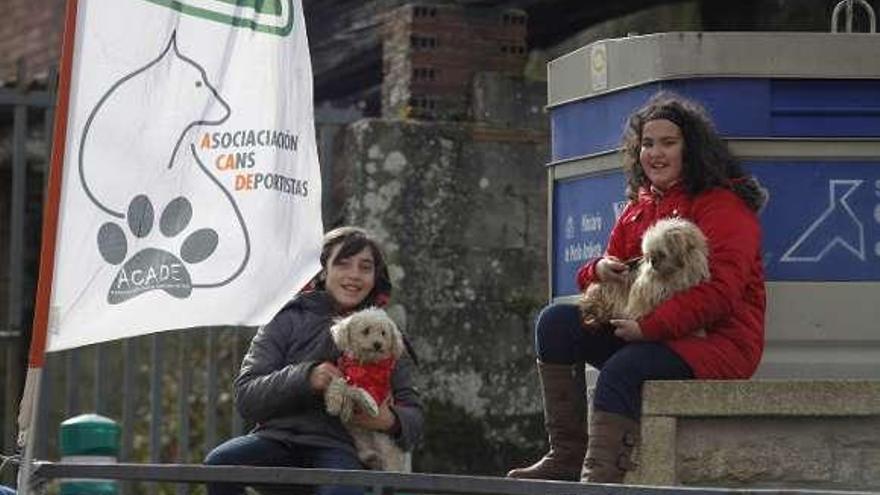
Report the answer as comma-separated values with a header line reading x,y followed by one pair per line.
x,y
461,211
809,453
797,434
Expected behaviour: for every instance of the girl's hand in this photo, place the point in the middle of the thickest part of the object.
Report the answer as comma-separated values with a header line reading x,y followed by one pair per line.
x,y
628,330
322,375
383,422
611,269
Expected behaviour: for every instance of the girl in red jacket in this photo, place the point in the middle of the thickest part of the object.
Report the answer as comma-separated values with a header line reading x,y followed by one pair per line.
x,y
676,165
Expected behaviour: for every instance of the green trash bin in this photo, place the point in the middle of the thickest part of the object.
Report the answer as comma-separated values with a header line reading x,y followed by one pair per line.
x,y
89,438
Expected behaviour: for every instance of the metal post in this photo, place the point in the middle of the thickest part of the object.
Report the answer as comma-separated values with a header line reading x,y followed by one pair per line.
x,y
100,372
872,19
71,377
16,254
155,403
129,398
849,5
183,408
46,392
128,406
10,396
211,386
28,407
49,124
849,15
326,134
44,405
236,362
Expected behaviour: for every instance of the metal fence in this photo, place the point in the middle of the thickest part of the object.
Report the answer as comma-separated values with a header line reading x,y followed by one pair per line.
x,y
380,483
25,117
170,392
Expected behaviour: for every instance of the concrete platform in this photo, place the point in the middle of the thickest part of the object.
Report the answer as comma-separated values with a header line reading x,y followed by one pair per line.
x,y
809,434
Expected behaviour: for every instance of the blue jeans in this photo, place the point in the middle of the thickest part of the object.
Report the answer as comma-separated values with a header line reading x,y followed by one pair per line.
x,y
252,450
623,367
5,490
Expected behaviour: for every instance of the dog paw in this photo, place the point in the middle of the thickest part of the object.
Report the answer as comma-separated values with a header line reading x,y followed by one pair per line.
x,y
592,318
334,396
594,326
346,409
372,460
395,459
365,401
591,323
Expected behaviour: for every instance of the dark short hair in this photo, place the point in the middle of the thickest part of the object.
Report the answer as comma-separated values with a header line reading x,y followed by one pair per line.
x,y
353,240
707,161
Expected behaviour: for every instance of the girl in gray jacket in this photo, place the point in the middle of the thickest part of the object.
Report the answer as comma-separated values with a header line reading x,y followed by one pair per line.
x,y
291,361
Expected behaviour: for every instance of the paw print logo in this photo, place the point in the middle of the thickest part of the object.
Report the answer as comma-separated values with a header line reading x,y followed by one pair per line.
x,y
152,268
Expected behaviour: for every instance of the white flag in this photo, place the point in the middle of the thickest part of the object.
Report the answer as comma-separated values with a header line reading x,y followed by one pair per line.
x,y
191,189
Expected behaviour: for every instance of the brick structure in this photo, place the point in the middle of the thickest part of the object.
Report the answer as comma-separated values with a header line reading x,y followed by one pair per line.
x,y
31,30
431,53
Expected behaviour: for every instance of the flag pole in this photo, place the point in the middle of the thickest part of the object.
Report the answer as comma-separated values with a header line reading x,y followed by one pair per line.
x,y
36,358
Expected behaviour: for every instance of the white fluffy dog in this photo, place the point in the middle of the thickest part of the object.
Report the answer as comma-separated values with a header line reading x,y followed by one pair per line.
x,y
675,257
371,344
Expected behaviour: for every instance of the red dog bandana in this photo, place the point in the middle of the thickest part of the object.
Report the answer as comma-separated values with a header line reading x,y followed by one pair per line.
x,y
375,377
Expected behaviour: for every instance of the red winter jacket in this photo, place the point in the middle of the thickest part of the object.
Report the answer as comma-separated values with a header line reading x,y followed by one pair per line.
x,y
730,306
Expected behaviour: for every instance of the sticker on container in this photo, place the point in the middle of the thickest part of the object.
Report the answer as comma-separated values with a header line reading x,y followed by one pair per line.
x,y
598,67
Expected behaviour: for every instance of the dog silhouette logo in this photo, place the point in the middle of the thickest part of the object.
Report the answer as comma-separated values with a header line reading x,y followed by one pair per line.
x,y
136,136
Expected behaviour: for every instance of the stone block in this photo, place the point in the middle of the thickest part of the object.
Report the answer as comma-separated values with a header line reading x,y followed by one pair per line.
x,y
762,397
656,460
808,434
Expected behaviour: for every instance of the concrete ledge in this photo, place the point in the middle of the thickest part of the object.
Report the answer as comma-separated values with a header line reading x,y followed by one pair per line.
x,y
805,434
762,398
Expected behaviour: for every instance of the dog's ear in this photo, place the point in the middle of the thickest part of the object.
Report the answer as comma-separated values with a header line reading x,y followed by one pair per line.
x,y
693,237
679,241
397,345
340,333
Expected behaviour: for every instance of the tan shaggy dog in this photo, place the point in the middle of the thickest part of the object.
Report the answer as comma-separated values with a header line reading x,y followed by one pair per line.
x,y
675,257
370,343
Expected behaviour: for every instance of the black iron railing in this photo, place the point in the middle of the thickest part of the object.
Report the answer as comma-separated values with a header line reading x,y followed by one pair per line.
x,y
375,482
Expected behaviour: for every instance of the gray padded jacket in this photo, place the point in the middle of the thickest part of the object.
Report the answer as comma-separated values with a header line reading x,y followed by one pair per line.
x,y
272,389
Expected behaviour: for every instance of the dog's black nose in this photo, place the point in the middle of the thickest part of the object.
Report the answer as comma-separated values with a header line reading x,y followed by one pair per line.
x,y
377,346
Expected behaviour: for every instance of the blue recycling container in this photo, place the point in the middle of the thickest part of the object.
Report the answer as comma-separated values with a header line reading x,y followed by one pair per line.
x,y
802,110
94,439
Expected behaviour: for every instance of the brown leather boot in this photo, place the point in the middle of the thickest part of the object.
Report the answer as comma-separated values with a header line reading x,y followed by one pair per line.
x,y
565,408
609,450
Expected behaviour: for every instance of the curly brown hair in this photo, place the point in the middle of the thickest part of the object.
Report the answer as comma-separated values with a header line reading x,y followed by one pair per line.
x,y
353,240
707,161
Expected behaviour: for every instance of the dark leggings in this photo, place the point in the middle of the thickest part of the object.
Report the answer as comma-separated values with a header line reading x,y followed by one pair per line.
x,y
623,367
